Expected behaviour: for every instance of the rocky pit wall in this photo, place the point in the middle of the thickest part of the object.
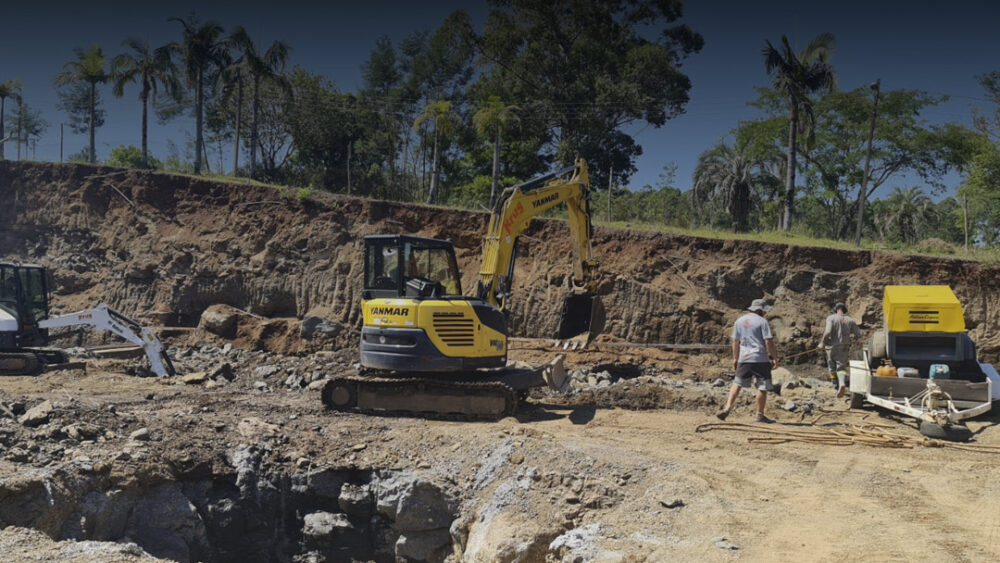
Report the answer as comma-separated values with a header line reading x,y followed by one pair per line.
x,y
168,247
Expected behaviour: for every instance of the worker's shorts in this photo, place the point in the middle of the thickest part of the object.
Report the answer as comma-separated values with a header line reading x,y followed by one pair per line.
x,y
836,358
758,372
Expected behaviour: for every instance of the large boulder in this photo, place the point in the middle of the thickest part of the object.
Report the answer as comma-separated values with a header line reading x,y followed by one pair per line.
x,y
37,415
421,512
165,523
318,327
221,320
324,528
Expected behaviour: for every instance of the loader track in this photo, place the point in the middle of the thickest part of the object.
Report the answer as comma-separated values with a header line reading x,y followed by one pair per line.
x,y
19,363
420,397
30,361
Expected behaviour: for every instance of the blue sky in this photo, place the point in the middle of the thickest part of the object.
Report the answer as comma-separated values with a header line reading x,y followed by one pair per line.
x,y
937,47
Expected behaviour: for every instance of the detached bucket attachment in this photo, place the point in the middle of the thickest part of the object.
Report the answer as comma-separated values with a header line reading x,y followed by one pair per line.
x,y
582,318
554,374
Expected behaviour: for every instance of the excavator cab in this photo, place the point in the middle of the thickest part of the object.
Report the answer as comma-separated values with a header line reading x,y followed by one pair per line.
x,y
24,301
404,266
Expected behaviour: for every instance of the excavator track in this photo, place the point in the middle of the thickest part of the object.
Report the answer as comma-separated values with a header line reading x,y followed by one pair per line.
x,y
19,363
30,361
50,356
421,397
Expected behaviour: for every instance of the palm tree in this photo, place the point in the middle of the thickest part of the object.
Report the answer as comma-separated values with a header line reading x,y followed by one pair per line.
x,y
796,77
495,117
147,68
729,174
909,211
89,68
203,49
439,115
10,88
259,67
232,77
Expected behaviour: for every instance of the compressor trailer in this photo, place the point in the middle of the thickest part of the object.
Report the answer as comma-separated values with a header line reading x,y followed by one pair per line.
x,y
923,364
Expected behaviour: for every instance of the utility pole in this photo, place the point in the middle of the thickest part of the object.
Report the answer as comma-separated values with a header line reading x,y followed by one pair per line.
x,y
611,176
349,143
863,190
20,116
965,219
61,141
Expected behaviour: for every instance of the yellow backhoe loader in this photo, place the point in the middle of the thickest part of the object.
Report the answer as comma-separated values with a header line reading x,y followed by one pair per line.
x,y
436,352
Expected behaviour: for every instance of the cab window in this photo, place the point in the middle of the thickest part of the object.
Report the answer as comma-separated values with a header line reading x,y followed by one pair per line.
x,y
436,264
8,284
381,266
33,287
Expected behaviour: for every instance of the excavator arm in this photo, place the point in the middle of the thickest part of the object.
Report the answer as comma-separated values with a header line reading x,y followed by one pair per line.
x,y
583,314
104,318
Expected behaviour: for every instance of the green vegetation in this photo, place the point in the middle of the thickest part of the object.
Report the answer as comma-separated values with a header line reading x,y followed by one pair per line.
x,y
150,69
81,99
28,127
202,50
132,157
10,88
453,115
796,77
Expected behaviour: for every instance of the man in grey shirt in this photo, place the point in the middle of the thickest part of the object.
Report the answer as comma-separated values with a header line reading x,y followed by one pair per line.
x,y
837,335
754,356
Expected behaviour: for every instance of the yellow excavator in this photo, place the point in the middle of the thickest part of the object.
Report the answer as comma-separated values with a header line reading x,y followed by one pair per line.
x,y
437,353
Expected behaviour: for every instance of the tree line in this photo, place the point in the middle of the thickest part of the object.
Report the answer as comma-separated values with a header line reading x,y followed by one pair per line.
x,y
538,85
454,114
816,154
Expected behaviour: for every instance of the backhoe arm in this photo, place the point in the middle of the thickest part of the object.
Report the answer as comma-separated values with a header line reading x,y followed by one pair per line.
x,y
513,213
110,320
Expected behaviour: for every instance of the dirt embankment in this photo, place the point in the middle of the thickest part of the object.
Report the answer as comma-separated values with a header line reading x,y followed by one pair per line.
x,y
175,245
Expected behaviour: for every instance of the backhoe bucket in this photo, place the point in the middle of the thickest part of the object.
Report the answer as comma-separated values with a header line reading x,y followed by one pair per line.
x,y
582,318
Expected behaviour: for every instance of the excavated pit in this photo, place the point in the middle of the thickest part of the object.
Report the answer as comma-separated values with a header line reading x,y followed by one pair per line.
x,y
243,514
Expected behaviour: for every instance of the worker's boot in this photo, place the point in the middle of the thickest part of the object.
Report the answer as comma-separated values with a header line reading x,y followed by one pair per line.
x,y
841,383
834,380
762,419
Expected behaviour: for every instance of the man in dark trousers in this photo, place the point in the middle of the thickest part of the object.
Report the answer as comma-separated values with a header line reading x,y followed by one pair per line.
x,y
840,330
754,356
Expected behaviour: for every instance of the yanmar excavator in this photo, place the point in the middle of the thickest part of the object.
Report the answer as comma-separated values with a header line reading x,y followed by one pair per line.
x,y
437,353
25,324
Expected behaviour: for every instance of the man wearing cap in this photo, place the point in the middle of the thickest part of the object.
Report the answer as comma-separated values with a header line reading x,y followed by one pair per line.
x,y
754,356
837,339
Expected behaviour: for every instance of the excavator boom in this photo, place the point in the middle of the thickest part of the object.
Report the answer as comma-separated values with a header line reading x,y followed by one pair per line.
x,y
583,315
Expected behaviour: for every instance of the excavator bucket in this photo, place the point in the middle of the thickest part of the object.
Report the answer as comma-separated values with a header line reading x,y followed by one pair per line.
x,y
582,318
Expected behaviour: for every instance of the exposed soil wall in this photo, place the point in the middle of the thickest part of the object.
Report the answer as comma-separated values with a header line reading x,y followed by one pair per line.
x,y
145,242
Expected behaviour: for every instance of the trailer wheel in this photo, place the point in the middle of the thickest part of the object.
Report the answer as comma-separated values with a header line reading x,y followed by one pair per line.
x,y
949,432
857,400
